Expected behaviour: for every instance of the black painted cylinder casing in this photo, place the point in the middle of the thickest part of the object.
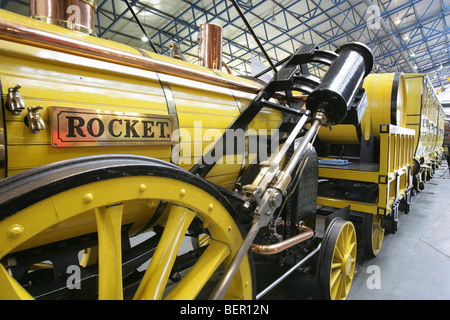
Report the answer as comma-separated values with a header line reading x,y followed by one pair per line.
x,y
336,92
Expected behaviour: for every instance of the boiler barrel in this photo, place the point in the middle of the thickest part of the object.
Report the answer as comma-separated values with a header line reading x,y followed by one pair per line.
x,y
386,95
92,100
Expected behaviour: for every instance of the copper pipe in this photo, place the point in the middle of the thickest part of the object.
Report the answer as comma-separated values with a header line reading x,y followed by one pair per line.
x,y
19,33
307,233
16,32
210,46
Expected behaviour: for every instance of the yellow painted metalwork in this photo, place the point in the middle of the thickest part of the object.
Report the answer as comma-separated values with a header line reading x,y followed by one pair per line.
x,y
386,120
11,289
415,89
118,197
426,117
154,282
54,78
344,262
377,235
384,101
354,205
345,173
109,223
50,76
393,174
386,95
89,257
210,261
343,133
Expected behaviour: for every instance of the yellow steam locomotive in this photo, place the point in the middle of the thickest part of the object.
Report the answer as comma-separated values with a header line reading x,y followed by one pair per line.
x,y
112,157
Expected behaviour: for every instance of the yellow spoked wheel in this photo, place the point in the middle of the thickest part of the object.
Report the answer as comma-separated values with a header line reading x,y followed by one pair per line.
x,y
373,235
337,260
113,200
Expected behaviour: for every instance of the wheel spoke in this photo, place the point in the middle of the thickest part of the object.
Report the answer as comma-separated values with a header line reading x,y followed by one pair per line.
x,y
376,239
335,283
90,256
338,264
11,289
71,214
351,248
338,254
158,271
377,235
335,274
343,287
196,278
344,239
347,239
109,223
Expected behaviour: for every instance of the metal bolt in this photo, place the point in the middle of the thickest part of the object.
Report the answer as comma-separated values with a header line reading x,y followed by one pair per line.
x,y
15,231
88,197
276,199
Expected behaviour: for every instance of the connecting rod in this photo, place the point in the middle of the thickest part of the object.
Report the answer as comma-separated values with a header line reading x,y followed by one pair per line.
x,y
272,198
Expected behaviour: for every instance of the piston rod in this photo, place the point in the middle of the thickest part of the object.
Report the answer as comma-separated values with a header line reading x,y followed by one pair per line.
x,y
284,276
267,205
286,175
225,281
315,126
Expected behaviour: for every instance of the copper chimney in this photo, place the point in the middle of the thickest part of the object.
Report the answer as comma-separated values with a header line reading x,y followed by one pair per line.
x,y
210,46
72,14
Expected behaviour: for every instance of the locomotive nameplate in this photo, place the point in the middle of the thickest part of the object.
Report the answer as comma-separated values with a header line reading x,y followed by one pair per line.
x,y
80,127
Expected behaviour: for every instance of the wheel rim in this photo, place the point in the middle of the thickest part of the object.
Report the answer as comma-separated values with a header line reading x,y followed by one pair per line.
x,y
107,203
377,235
338,260
344,261
373,235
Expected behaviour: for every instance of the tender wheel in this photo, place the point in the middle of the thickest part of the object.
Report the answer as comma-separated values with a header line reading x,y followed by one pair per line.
x,y
337,260
373,235
58,207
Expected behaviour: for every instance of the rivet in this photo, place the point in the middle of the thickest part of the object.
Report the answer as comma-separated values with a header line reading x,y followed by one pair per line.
x,y
229,228
211,206
142,188
88,197
15,231
182,192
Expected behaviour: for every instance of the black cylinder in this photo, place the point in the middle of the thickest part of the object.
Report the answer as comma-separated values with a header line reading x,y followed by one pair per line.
x,y
335,94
